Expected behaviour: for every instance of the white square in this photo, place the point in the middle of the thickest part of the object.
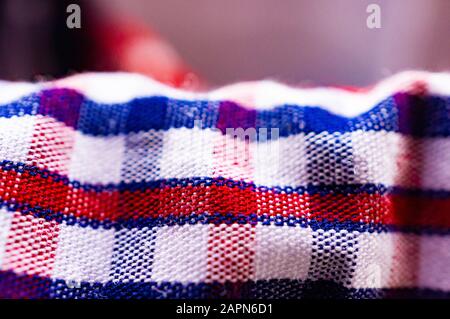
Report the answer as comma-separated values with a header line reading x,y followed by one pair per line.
x,y
282,252
97,159
5,223
83,254
281,162
374,260
433,158
187,153
435,262
15,137
181,253
375,156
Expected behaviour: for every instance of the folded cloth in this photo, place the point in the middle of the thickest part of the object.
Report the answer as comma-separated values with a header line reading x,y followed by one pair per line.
x,y
113,185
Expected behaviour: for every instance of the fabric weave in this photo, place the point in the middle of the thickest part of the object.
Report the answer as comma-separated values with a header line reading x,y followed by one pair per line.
x,y
116,186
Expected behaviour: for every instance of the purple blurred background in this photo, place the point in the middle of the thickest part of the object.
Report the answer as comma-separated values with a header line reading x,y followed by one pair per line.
x,y
321,41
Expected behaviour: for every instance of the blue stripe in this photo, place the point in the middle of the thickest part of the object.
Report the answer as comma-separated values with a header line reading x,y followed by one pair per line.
x,y
35,287
427,116
28,105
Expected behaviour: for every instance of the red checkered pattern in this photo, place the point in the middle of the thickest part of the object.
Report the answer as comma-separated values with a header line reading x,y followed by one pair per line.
x,y
117,186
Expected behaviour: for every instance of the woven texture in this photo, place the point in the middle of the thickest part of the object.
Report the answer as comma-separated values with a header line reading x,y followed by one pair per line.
x,y
116,186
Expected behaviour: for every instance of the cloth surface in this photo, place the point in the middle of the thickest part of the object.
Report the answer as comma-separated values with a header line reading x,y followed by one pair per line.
x,y
117,186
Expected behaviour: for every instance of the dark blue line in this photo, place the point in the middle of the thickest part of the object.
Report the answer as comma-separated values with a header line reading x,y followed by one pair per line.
x,y
21,286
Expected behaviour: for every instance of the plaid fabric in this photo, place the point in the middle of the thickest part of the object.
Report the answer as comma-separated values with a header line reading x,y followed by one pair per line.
x,y
116,186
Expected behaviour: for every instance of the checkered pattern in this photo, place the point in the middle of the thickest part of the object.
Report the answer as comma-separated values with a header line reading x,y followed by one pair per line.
x,y
116,186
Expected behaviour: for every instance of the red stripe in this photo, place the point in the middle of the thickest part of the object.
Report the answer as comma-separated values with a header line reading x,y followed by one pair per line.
x,y
400,210
422,211
231,248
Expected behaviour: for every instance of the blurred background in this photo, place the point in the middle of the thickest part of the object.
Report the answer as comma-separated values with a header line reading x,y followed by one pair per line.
x,y
219,42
